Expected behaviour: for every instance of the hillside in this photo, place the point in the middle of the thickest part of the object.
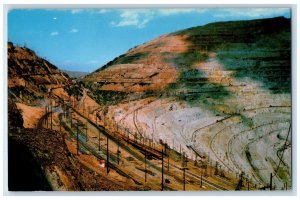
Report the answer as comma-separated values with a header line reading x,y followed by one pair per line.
x,y
41,99
157,63
201,109
30,76
30,81
220,93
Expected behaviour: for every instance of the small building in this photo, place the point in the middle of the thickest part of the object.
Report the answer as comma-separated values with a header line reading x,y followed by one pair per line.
x,y
101,163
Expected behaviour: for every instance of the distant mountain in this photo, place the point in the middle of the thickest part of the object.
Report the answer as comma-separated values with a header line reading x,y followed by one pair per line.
x,y
75,74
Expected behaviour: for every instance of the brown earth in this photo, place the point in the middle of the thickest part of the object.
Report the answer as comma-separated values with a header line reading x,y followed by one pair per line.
x,y
63,170
29,76
31,115
151,72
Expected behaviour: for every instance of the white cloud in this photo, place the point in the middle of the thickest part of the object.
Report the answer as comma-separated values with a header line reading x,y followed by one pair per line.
x,y
140,17
74,30
90,11
54,33
251,12
133,17
76,11
102,11
175,11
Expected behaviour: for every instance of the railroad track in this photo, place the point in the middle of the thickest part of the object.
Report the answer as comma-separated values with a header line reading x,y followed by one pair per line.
x,y
142,148
153,152
229,144
198,178
99,155
211,144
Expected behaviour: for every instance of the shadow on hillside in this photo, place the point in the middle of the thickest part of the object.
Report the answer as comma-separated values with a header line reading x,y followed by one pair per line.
x,y
193,86
259,49
24,172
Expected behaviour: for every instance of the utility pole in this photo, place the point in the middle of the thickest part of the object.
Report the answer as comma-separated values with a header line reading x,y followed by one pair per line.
x,y
271,184
167,153
59,124
248,183
216,170
173,144
77,139
47,116
196,163
96,118
152,139
86,133
107,156
201,178
118,151
71,119
162,170
51,114
211,168
99,141
184,167
240,182
184,179
168,162
145,167
180,150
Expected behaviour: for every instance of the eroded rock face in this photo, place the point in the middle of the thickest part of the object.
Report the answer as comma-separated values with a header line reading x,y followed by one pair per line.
x,y
227,97
30,76
143,68
216,94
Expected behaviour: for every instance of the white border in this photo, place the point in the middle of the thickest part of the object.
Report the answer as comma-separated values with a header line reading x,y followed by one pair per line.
x,y
152,3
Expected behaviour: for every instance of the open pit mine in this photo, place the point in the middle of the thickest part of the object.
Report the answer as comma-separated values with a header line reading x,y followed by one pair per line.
x,y
202,109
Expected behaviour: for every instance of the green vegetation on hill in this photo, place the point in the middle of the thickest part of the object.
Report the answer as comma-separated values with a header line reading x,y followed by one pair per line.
x,y
192,85
107,98
268,60
184,61
259,49
211,36
104,97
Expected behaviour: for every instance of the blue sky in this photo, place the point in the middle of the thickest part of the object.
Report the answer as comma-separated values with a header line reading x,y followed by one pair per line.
x,y
86,39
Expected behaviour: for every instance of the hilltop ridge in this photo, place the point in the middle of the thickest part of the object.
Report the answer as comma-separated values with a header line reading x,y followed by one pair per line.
x,y
30,76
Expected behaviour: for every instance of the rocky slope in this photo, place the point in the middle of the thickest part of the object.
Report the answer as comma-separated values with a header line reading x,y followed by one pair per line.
x,y
29,76
40,156
47,164
221,91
